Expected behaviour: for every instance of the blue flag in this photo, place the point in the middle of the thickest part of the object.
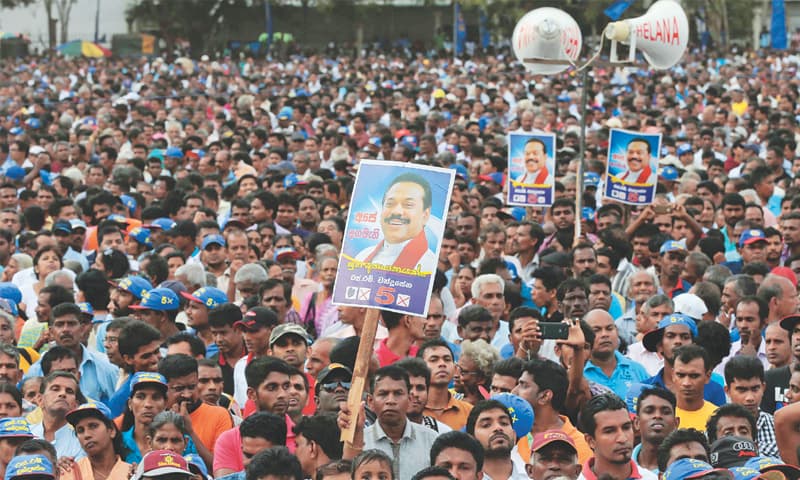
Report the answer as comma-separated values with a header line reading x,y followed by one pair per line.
x,y
778,25
461,29
483,26
616,9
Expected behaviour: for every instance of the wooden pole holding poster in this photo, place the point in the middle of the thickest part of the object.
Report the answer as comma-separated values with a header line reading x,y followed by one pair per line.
x,y
581,160
360,370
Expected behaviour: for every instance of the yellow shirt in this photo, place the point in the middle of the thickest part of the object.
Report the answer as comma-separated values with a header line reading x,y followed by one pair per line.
x,y
82,470
696,419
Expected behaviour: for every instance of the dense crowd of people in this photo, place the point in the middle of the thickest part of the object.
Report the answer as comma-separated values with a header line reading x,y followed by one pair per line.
x,y
170,237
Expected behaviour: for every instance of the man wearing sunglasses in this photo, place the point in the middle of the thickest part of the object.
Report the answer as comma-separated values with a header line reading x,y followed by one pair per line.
x,y
333,386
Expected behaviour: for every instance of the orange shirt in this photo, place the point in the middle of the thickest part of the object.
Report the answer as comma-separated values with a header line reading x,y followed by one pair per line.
x,y
584,452
208,422
82,470
454,415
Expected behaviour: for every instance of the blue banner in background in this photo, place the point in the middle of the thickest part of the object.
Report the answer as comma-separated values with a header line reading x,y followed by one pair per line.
x,y
461,29
778,25
616,9
483,26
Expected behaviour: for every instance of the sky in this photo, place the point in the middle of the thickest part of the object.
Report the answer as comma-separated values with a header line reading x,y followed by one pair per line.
x,y
32,20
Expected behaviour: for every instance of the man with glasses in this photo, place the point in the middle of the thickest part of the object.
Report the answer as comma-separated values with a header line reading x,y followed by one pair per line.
x,y
333,386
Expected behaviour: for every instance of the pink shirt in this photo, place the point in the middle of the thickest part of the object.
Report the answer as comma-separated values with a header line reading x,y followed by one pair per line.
x,y
228,449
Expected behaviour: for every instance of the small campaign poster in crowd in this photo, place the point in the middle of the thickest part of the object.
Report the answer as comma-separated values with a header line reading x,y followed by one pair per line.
x,y
531,167
632,168
394,231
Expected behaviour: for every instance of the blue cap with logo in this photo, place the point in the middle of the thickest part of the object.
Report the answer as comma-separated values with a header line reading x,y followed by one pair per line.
x,y
211,297
520,411
136,286
129,202
90,409
15,427
62,226
669,173
213,239
141,236
752,235
687,468
766,464
652,338
174,152
672,246
591,180
292,180
684,148
163,223
141,379
196,465
86,309
23,466
159,299
10,292
587,214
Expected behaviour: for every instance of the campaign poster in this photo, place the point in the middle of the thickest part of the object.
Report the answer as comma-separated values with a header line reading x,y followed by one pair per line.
x,y
391,243
632,169
531,163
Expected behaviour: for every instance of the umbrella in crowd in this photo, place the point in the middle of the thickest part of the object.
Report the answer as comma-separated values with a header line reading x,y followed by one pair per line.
x,y
80,47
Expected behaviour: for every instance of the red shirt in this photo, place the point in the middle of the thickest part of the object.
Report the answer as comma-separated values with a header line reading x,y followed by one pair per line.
x,y
388,357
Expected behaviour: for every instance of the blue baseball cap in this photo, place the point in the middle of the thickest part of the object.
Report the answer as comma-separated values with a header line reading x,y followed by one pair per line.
x,y
196,464
117,218
86,410
162,223
587,214
669,173
129,202
23,466
15,427
15,172
766,464
672,246
156,153
159,299
142,379
461,170
174,152
285,113
292,180
634,392
62,226
520,411
744,473
684,148
752,235
141,236
652,338
211,297
213,239
591,180
563,98
86,309
9,307
135,285
10,292
687,468
77,223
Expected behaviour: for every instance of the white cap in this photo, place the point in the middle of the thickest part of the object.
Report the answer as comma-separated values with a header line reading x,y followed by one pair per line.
x,y
691,305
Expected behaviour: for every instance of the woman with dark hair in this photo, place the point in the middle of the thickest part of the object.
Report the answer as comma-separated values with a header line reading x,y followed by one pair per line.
x,y
317,310
46,261
114,263
10,401
102,442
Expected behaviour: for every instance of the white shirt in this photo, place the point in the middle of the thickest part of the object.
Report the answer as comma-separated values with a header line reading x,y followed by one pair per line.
x,y
651,361
65,441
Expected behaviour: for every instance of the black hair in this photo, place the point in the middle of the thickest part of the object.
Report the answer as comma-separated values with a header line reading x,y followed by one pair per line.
x,y
259,369
94,285
715,339
432,472
510,367
595,405
275,461
523,312
324,431
679,437
436,342
57,295
64,309
224,315
480,407
37,445
392,372
266,425
416,367
473,313
196,345
369,456
134,335
461,441
743,367
176,366
687,353
427,197
568,285
730,410
549,375
656,392
13,391
56,353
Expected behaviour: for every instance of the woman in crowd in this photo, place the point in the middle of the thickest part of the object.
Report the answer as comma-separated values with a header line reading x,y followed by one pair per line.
x,y
101,441
47,260
148,399
168,431
473,376
316,310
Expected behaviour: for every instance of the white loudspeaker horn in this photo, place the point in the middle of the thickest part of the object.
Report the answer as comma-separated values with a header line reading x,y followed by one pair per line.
x,y
661,34
547,40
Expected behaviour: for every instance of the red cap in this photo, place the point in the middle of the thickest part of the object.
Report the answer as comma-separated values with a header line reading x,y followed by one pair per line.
x,y
545,438
786,273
